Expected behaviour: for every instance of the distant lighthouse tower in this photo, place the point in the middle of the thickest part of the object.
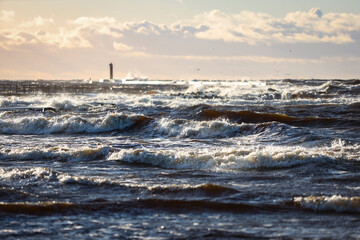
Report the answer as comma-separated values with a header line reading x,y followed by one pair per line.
x,y
111,70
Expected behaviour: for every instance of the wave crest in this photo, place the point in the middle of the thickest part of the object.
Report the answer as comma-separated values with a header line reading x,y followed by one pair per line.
x,y
334,203
70,124
56,153
254,117
224,160
205,129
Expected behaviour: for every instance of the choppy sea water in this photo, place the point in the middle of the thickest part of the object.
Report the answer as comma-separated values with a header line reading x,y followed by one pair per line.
x,y
246,160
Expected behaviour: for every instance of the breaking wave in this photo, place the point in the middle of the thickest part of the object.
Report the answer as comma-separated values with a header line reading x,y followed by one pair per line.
x,y
253,117
209,129
335,203
320,90
70,124
217,158
41,174
226,159
55,154
32,173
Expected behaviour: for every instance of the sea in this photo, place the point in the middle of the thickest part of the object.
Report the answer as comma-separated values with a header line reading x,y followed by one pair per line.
x,y
267,159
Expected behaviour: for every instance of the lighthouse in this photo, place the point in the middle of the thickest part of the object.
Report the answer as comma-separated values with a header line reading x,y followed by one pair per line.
x,y
111,70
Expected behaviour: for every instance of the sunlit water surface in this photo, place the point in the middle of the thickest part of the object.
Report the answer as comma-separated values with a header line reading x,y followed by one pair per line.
x,y
266,159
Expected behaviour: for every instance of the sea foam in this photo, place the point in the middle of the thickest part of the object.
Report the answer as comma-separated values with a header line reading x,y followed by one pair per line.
x,y
225,159
55,154
38,125
201,129
334,203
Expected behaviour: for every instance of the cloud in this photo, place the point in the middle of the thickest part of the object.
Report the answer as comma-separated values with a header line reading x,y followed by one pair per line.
x,y
254,28
214,38
37,22
144,27
7,16
245,27
63,39
311,38
122,47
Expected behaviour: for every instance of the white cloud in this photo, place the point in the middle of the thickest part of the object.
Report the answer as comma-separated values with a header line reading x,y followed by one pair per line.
x,y
213,38
37,22
105,25
312,38
245,27
91,21
253,28
7,16
144,27
122,47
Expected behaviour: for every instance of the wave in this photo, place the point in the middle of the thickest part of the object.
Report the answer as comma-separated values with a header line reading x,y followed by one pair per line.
x,y
335,203
37,208
214,128
354,106
269,90
62,101
33,174
11,195
41,175
226,160
253,117
320,90
45,175
220,158
16,102
207,129
71,124
55,154
188,190
208,189
341,87
52,207
239,158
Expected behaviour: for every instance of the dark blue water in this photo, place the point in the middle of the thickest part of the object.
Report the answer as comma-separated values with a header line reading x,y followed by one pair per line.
x,y
207,160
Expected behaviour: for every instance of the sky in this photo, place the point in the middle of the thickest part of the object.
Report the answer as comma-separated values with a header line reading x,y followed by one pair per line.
x,y
180,39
